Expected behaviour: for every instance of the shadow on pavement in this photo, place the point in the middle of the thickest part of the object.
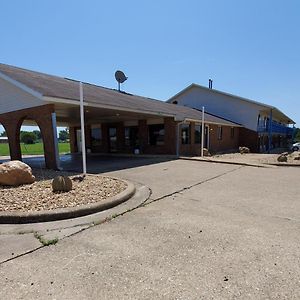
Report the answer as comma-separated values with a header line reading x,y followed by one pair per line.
x,y
96,163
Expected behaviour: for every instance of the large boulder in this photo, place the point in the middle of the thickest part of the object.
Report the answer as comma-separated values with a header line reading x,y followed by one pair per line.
x,y
295,155
244,150
15,173
282,158
206,152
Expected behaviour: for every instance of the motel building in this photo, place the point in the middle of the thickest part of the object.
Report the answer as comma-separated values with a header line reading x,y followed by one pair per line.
x,y
265,127
115,121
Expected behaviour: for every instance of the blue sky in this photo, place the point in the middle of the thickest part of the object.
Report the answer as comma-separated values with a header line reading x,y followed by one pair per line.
x,y
249,48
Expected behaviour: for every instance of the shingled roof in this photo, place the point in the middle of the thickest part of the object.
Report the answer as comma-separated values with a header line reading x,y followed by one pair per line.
x,y
65,88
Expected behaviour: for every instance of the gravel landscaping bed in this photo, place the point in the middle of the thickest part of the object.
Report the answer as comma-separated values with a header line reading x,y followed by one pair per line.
x,y
257,158
39,195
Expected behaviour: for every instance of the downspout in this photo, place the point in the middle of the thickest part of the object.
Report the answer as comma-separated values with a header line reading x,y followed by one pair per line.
x,y
202,131
270,129
54,128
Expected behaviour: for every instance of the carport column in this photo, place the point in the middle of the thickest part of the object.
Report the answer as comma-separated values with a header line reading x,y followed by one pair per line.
x,y
48,131
54,128
13,133
143,135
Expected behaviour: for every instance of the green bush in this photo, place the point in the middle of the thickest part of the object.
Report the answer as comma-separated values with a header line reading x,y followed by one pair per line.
x,y
28,137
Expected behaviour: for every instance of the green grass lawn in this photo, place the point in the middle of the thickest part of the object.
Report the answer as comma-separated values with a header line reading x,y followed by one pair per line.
x,y
34,149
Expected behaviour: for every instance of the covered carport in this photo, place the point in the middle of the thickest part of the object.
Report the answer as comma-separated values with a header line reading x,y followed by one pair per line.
x,y
123,122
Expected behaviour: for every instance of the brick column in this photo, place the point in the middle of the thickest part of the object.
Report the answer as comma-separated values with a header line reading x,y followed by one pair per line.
x,y
73,146
12,129
88,136
170,135
12,122
143,135
46,127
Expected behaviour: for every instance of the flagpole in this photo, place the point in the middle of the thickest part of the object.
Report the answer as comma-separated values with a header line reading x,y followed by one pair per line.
x,y
83,150
202,132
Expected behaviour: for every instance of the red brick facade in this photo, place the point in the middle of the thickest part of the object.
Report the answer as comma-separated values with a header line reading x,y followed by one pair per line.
x,y
12,123
228,142
249,138
42,115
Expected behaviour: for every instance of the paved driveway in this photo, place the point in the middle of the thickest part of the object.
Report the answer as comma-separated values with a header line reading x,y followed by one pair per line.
x,y
209,231
95,163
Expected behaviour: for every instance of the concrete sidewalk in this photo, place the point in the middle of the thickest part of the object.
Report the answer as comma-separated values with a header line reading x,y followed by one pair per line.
x,y
208,231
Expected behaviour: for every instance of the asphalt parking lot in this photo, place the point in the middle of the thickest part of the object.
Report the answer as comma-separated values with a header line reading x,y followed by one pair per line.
x,y
208,231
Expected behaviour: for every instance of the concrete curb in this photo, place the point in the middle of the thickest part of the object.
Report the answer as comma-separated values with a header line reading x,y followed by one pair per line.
x,y
227,162
284,165
67,213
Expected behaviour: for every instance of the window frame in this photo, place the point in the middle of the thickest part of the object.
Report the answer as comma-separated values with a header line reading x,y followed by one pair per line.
x,y
95,142
188,138
220,133
200,132
232,132
154,129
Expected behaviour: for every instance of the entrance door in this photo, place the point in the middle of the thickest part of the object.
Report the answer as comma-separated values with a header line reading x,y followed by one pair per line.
x,y
112,135
78,138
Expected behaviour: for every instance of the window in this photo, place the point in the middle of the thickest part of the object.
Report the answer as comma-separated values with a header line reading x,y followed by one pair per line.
x,y
157,134
197,134
131,136
232,132
220,132
96,135
185,134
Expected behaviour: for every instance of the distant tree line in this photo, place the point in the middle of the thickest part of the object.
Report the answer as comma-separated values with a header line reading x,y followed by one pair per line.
x,y
35,136
297,135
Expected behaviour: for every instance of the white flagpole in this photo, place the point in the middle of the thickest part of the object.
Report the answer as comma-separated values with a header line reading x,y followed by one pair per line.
x,y
82,129
202,132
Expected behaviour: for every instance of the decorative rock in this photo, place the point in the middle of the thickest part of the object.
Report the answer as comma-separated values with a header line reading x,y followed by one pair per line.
x,y
62,184
297,158
284,154
15,173
282,158
206,152
244,150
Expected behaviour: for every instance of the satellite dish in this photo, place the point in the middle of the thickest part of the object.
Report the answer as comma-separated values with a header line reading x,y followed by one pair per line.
x,y
120,77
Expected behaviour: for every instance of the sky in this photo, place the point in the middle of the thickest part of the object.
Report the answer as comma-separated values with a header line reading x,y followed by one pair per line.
x,y
249,48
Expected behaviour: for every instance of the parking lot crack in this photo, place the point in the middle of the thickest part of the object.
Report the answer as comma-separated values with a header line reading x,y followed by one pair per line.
x,y
191,186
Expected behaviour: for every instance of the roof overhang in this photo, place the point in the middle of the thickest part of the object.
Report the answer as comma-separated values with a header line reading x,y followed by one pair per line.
x,y
21,86
87,103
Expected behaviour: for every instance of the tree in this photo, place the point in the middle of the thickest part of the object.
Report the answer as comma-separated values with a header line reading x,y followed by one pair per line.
x,y
27,137
297,135
64,135
3,133
38,134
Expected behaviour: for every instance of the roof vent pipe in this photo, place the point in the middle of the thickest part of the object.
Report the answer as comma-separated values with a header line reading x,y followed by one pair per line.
x,y
210,82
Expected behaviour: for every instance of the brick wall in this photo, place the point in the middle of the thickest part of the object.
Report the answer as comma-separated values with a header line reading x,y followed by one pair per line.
x,y
227,143
42,115
249,138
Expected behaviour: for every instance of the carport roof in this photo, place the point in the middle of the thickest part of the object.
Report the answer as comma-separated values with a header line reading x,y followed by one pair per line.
x,y
68,89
